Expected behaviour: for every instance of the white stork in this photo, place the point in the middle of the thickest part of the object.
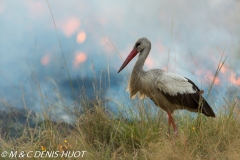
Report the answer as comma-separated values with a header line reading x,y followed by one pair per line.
x,y
167,90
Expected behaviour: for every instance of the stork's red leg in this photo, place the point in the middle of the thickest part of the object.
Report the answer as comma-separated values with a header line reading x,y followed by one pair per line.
x,y
171,121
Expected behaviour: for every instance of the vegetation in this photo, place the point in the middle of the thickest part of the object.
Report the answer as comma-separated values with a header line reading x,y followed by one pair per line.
x,y
140,135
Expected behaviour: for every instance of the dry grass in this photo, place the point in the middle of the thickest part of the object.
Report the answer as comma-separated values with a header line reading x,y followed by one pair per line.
x,y
143,137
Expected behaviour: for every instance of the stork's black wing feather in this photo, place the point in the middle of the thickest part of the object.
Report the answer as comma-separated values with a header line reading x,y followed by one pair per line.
x,y
193,101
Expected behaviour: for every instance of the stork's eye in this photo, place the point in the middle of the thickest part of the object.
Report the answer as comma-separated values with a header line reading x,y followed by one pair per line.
x,y
137,44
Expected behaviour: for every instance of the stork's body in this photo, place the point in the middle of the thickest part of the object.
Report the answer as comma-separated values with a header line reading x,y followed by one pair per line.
x,y
167,90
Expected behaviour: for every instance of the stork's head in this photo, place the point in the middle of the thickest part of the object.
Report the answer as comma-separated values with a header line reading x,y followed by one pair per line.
x,y
140,45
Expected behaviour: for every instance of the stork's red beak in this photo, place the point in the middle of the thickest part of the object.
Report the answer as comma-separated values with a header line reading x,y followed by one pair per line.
x,y
132,54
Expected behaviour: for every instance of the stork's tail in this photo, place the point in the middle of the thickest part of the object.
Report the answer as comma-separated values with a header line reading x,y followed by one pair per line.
x,y
206,109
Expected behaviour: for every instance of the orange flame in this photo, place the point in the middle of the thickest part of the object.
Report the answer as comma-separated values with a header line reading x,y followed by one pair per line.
x,y
65,147
62,148
81,37
224,68
234,80
210,77
70,26
45,59
43,148
80,57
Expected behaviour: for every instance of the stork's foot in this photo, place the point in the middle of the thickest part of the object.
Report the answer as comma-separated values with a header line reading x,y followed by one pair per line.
x,y
175,135
176,131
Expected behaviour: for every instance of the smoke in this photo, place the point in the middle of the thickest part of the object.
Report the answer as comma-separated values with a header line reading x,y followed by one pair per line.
x,y
187,38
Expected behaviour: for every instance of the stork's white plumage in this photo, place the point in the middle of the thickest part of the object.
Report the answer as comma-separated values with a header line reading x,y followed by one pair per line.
x,y
167,90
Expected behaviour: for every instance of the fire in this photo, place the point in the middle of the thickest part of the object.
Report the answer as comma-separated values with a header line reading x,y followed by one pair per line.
x,y
217,81
81,37
80,57
43,148
210,77
65,147
234,80
70,26
224,68
45,59
62,148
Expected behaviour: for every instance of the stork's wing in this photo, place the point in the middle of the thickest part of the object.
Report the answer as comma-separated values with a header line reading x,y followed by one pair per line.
x,y
173,84
182,91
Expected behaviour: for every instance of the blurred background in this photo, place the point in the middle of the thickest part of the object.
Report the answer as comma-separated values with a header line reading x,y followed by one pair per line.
x,y
50,51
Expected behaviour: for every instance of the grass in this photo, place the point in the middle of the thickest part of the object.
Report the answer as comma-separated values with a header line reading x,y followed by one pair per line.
x,y
105,136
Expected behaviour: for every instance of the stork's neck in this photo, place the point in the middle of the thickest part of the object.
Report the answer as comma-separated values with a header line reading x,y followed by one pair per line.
x,y
138,67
